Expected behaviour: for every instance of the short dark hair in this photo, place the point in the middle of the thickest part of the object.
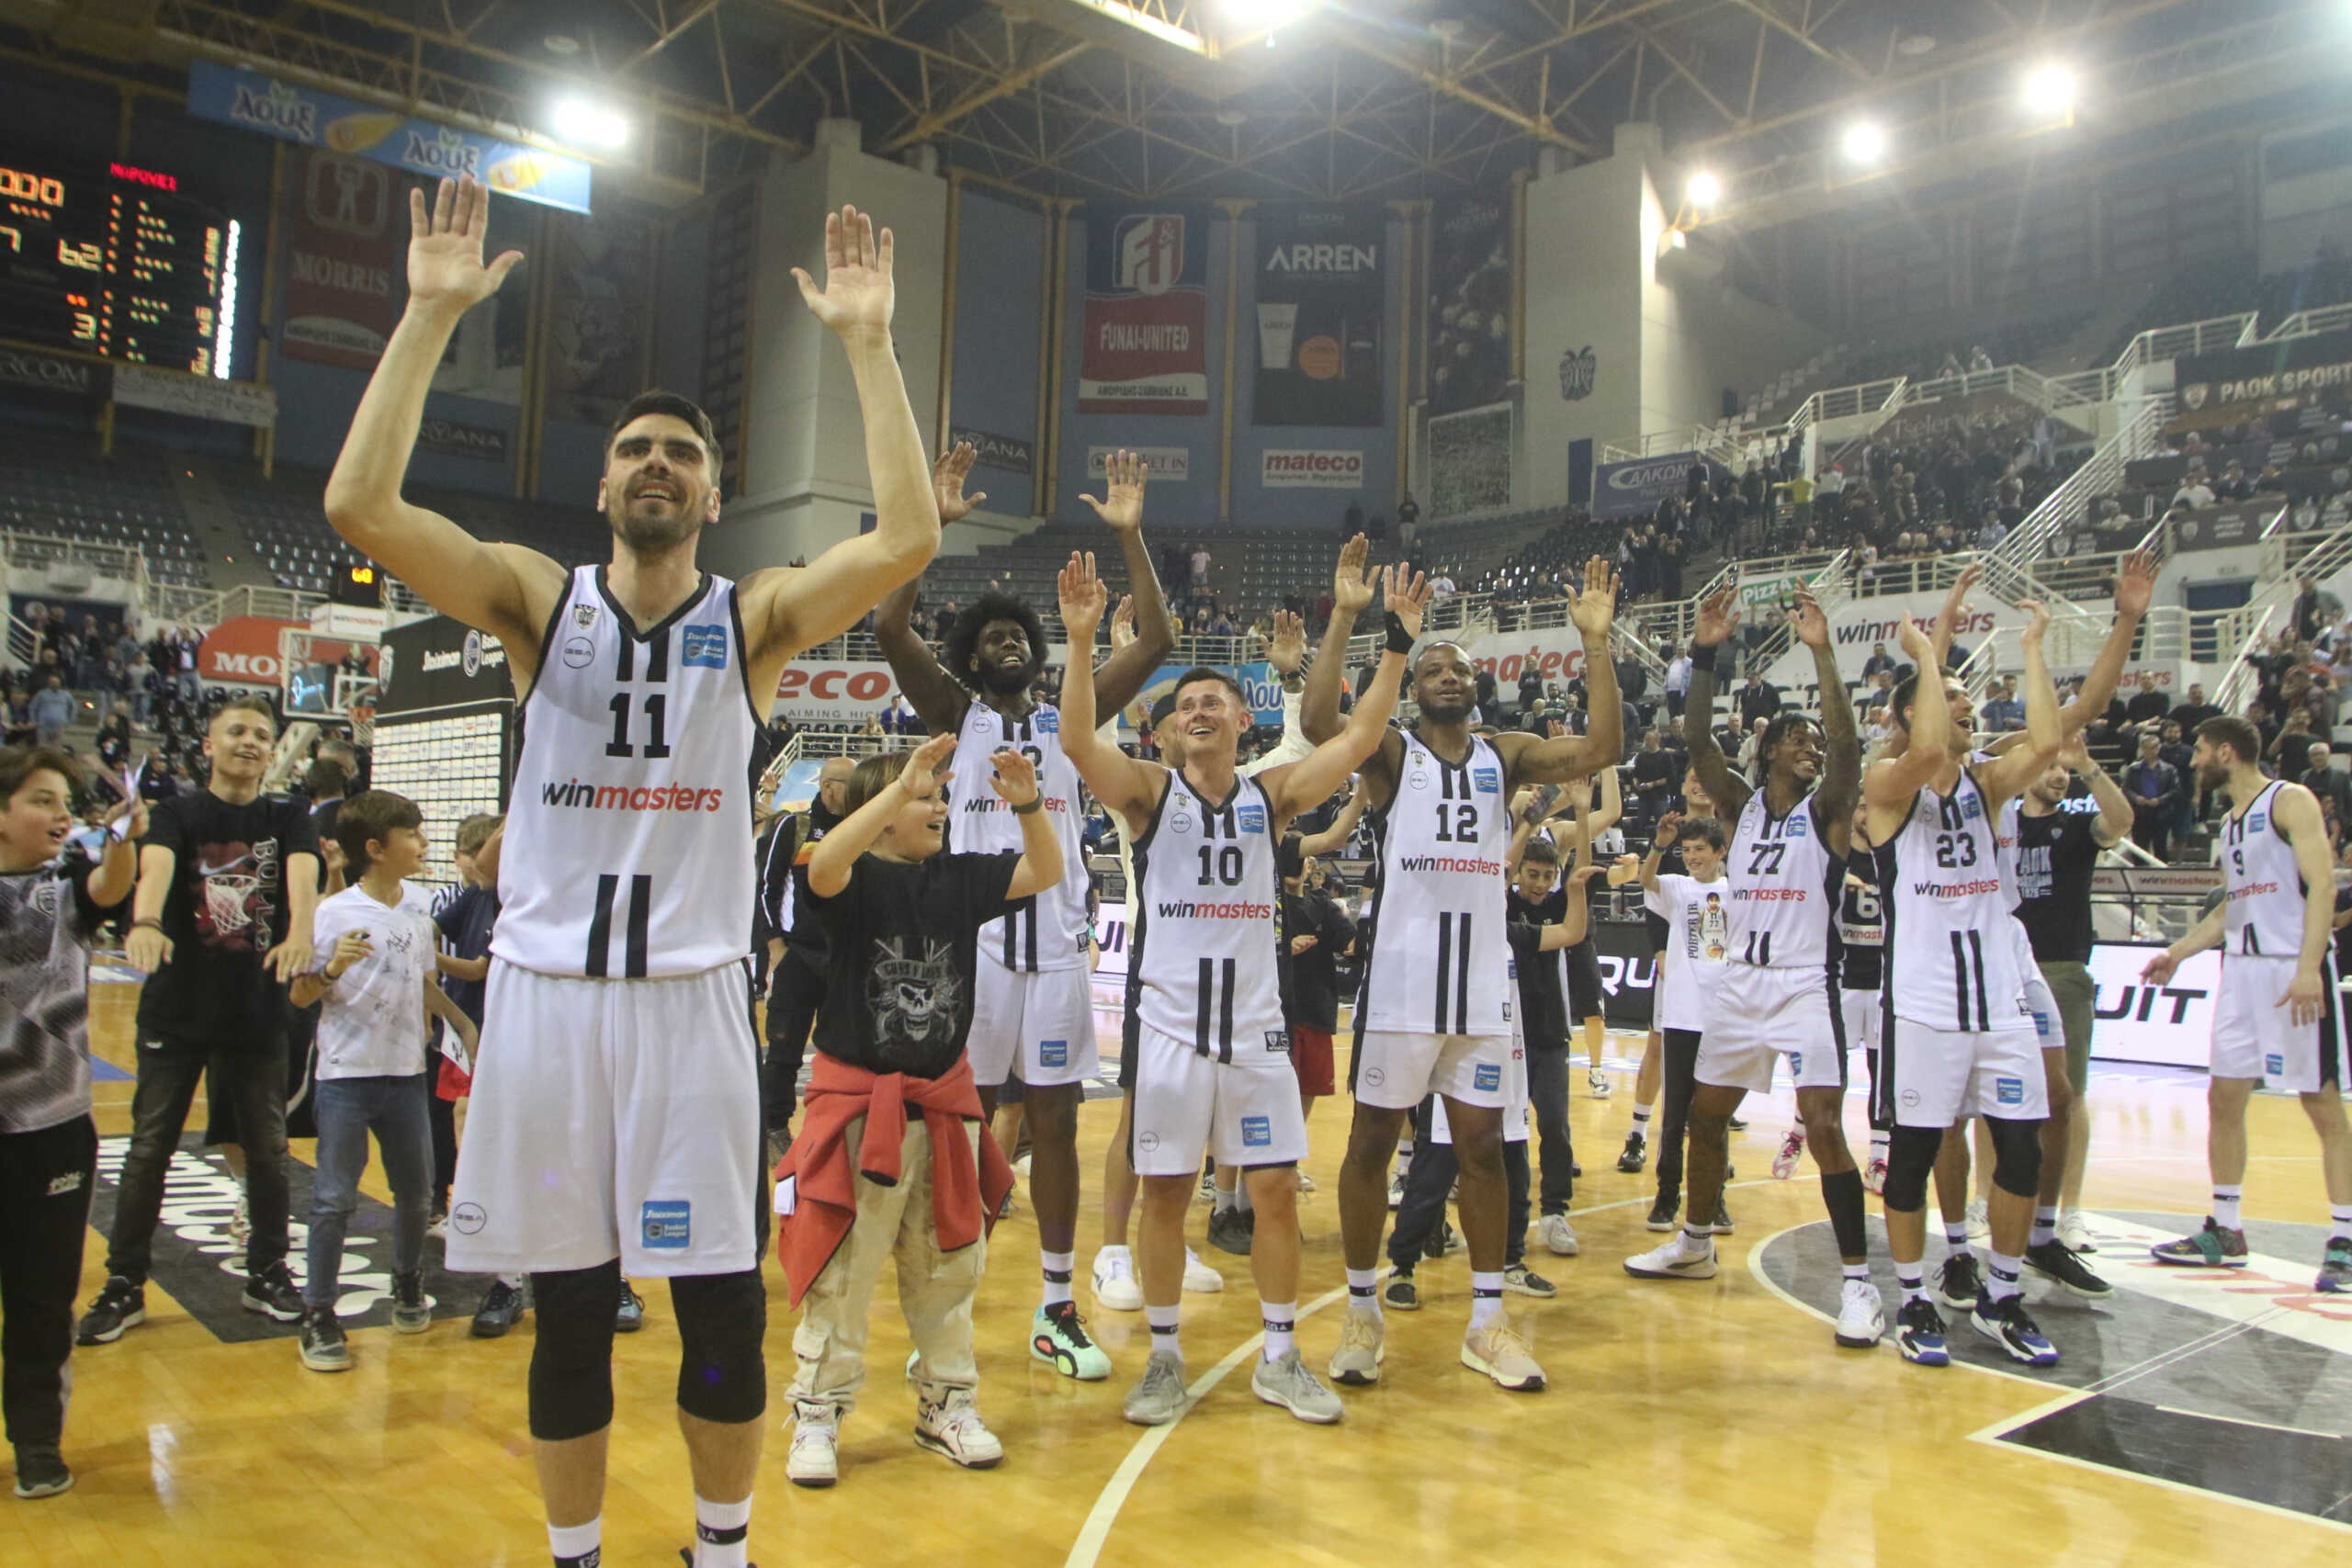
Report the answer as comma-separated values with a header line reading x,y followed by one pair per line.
x,y
1778,729
1906,693
1708,830
371,814
247,702
1210,672
1544,852
2240,736
324,777
963,640
19,763
654,400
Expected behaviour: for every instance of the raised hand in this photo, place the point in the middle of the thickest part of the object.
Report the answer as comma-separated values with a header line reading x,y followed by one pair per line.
x,y
1015,779
445,264
920,777
1596,607
1083,596
2074,753
2135,583
1670,828
858,294
947,483
1123,622
1807,620
1716,618
2037,625
1407,600
1286,649
1350,584
1913,639
1540,802
1122,502
132,814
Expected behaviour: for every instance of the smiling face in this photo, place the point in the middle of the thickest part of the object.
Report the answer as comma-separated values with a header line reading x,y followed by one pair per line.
x,y
239,744
917,831
401,854
36,819
1208,721
1798,751
1002,659
659,487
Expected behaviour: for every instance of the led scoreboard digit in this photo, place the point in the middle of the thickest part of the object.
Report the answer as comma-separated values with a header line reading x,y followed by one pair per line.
x,y
115,260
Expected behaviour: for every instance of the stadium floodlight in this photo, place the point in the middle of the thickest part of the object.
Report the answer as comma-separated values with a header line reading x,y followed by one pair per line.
x,y
1864,142
1266,15
585,124
1704,189
2049,90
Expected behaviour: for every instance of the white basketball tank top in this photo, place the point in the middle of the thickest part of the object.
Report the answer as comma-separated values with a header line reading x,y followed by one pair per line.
x,y
1049,931
1784,887
1952,954
2265,899
629,837
1201,959
1438,938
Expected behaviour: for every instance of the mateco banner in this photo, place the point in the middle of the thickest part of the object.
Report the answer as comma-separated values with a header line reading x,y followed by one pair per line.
x,y
1631,490
1294,469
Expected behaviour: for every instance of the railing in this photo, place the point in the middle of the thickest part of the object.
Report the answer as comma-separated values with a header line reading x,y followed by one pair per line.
x,y
2029,540
117,561
2286,557
2305,324
2209,336
24,643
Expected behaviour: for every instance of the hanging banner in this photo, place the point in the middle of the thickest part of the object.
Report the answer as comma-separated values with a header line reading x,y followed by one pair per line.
x,y
1145,345
1469,312
2214,384
2217,527
1320,303
1283,470
199,396
599,315
306,116
1007,454
342,252
1633,490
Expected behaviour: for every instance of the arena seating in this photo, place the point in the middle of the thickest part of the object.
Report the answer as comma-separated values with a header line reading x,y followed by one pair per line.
x,y
60,490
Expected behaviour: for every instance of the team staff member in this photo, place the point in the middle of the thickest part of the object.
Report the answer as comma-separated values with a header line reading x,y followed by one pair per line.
x,y
50,908
1317,934
797,990
228,882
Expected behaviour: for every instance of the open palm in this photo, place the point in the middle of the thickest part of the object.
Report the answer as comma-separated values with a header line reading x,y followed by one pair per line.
x,y
858,294
445,264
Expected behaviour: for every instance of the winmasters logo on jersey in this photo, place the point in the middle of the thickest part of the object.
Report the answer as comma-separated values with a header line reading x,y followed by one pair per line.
x,y
704,648
1185,910
622,797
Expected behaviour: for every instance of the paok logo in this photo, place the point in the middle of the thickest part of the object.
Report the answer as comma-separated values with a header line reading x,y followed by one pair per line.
x,y
1579,367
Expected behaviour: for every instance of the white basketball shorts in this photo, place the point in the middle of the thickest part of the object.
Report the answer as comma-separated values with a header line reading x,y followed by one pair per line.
x,y
2253,1037
611,1118
1514,1101
1933,1077
1245,1111
1755,1014
1039,1026
1859,1010
1394,1069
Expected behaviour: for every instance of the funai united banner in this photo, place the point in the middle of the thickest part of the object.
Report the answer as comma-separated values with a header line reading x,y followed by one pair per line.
x,y
304,115
1146,349
1320,301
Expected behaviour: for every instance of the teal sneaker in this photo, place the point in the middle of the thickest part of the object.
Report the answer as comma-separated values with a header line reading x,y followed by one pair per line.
x,y
2335,1269
1058,1336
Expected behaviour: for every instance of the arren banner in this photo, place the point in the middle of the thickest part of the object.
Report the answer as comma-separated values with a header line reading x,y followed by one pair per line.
x,y
1320,303
1146,349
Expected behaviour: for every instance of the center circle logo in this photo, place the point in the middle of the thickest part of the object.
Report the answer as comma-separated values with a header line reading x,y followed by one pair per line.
x,y
578,651
467,1219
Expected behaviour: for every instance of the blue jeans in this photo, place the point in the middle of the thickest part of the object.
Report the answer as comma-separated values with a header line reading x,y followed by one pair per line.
x,y
347,1110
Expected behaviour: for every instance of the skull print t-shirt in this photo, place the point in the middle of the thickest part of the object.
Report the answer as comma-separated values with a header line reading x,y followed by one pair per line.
x,y
901,949
226,908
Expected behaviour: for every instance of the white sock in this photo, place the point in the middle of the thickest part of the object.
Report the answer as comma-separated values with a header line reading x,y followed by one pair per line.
x,y
1879,1144
1363,1291
1404,1156
1227,1199
1057,1266
1641,1117
1280,1318
1163,1330
577,1546
1485,1298
1956,1235
2340,1220
2226,1207
722,1533
2045,1224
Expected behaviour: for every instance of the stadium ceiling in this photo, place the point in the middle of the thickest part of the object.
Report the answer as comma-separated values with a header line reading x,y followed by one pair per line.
x,y
1375,99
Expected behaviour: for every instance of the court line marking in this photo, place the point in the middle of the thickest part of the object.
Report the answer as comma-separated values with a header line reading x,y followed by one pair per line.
x,y
2245,1421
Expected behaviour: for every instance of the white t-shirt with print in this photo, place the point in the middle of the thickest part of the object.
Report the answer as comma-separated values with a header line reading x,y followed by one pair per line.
x,y
373,1022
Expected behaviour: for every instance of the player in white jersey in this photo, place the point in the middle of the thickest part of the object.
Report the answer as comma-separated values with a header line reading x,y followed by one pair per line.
x,y
2277,1016
1957,1038
1777,995
1431,1019
1033,1013
1212,1055
615,1113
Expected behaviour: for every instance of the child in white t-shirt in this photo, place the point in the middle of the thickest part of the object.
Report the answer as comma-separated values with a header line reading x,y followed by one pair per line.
x,y
373,943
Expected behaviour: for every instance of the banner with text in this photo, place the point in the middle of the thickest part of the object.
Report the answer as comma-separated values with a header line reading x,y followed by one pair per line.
x,y
1007,454
2214,384
1146,344
2218,528
1469,302
1290,469
1159,462
344,241
199,396
1320,304
1633,490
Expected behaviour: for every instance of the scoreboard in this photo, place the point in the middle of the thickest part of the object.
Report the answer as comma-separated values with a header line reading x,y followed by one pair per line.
x,y
111,259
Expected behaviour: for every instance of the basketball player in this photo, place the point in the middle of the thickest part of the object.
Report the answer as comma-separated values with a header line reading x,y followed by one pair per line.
x,y
1033,1013
1862,969
1957,1036
2278,1017
617,1038
1439,798
1212,1057
1777,992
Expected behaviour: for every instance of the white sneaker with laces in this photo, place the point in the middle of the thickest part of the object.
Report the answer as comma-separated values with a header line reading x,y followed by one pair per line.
x,y
952,1427
1559,1236
1677,1258
1116,1287
241,1223
1363,1346
1199,1277
815,1459
1874,1175
1396,1189
1979,1225
1499,1351
1861,1316
1598,1082
1784,1163
2074,1233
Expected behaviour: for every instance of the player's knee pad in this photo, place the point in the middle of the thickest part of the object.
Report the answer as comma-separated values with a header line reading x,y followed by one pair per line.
x,y
2016,1155
571,1355
722,1325
1910,1161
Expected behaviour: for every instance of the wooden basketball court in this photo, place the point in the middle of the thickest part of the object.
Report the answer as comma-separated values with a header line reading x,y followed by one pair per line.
x,y
1685,1422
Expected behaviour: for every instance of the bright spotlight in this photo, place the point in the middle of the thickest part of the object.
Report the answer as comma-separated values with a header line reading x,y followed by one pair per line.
x,y
2049,90
584,124
1865,142
1704,190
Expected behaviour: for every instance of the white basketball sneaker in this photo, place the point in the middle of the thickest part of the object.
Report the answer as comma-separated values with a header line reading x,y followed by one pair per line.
x,y
1116,1287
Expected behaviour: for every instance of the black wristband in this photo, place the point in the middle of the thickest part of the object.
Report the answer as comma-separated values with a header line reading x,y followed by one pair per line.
x,y
1703,656
1034,802
1400,639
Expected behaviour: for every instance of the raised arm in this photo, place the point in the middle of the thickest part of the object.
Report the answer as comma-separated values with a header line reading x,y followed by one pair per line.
x,y
1127,787
1611,810
1571,931
1307,782
1350,593
1285,651
1560,758
1670,828
1709,630
2114,818
2006,777
939,699
1893,780
1947,623
1040,866
2135,588
1123,673
1335,838
786,609
504,590
117,872
1841,760
836,856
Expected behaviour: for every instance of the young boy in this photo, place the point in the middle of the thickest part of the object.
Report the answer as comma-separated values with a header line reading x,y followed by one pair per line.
x,y
901,923
1696,910
50,908
376,976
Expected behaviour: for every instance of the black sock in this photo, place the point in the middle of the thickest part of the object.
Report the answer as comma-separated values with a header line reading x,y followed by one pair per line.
x,y
1841,1192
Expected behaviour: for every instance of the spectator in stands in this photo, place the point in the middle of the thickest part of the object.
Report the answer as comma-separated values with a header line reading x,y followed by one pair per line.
x,y
2194,710
20,716
1677,677
1200,565
1442,587
2145,713
1408,514
1880,661
1751,748
2332,785
1654,775
1632,682
2291,747
52,710
2154,788
1978,359
1758,700
2194,492
2003,712
1991,532
1531,689
2313,609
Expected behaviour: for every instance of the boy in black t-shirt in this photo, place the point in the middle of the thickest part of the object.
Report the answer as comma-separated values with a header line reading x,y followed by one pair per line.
x,y
901,922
